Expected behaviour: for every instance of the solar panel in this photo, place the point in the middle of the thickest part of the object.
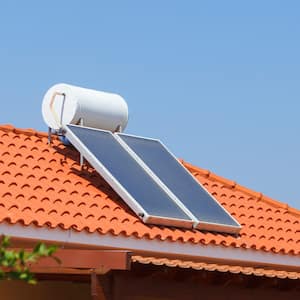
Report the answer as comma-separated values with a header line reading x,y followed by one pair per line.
x,y
210,214
127,176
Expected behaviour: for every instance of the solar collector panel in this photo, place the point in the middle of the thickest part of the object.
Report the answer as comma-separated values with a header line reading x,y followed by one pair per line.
x,y
129,179
210,214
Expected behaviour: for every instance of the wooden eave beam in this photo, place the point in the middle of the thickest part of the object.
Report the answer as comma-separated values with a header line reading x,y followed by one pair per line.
x,y
75,261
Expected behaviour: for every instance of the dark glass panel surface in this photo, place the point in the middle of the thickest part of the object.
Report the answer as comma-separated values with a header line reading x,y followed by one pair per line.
x,y
179,180
130,175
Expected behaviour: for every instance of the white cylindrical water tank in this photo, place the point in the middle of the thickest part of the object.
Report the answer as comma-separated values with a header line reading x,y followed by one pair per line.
x,y
68,104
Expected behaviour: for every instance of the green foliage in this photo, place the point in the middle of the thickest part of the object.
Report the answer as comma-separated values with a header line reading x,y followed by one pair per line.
x,y
15,264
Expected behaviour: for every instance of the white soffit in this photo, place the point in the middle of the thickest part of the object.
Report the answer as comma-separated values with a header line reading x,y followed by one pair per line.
x,y
198,251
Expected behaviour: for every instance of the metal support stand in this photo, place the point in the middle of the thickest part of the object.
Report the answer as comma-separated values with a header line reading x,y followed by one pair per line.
x,y
118,128
49,136
81,161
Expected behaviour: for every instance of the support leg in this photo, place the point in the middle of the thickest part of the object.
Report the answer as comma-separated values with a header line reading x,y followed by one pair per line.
x,y
97,291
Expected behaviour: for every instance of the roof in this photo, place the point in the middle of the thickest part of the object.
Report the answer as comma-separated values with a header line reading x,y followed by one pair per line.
x,y
44,186
234,269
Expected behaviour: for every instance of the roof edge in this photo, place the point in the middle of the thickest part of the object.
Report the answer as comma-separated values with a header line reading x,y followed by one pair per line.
x,y
234,185
219,267
25,131
151,247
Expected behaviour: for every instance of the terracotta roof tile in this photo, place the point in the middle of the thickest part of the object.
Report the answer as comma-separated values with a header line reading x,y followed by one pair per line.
x,y
44,185
173,263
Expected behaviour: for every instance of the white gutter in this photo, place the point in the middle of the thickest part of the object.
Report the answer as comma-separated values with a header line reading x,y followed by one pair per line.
x,y
158,247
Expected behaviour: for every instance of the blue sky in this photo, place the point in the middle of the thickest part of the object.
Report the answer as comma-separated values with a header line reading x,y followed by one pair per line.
x,y
216,81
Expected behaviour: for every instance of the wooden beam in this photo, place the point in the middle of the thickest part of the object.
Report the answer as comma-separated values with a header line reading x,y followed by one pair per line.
x,y
84,262
97,291
60,270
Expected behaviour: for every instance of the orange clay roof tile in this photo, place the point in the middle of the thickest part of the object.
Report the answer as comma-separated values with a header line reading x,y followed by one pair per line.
x,y
245,270
45,186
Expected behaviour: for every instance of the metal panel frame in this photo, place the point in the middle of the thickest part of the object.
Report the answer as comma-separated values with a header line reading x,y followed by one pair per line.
x,y
200,225
117,186
157,180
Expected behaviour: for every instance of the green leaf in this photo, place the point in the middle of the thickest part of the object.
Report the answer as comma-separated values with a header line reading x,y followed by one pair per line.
x,y
16,263
51,249
23,276
37,248
5,241
21,256
32,281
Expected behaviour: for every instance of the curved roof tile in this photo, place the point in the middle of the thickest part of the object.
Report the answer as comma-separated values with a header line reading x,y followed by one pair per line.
x,y
45,186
